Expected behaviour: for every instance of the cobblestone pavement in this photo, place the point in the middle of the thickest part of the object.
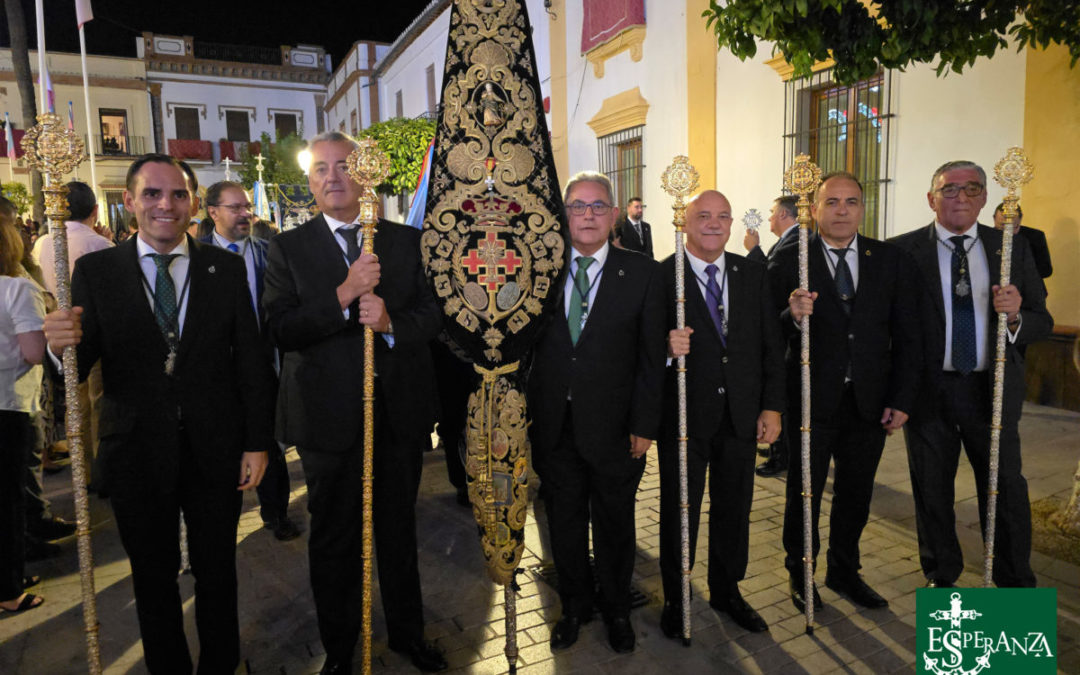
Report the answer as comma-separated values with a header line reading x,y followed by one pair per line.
x,y
464,610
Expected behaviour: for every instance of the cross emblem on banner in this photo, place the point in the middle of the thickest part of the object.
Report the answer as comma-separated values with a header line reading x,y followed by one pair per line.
x,y
492,255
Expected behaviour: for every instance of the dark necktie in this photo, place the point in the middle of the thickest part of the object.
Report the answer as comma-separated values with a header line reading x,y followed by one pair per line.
x,y
964,356
233,247
716,303
166,310
845,285
352,246
579,299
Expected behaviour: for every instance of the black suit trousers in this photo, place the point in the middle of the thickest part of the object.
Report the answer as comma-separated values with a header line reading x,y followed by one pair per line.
x,y
14,450
730,462
578,491
149,525
933,442
273,491
335,502
854,445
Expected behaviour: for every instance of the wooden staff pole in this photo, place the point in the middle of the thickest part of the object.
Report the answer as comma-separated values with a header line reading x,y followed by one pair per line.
x,y
368,166
1011,172
802,178
680,180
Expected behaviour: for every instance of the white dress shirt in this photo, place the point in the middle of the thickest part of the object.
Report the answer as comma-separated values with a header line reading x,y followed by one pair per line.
x,y
594,272
81,240
22,308
178,270
244,251
851,258
979,272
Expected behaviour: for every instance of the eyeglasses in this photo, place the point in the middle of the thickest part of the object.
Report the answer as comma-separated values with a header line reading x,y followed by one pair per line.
x,y
952,190
236,208
578,208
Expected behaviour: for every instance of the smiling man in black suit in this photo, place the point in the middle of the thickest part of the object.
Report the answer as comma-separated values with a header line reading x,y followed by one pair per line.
x,y
960,265
864,360
734,393
594,392
185,414
319,295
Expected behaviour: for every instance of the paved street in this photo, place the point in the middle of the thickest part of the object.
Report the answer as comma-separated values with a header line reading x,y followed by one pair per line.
x,y
465,613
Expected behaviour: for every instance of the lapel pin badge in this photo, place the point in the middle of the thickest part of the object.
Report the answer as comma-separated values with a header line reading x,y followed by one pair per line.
x,y
211,269
734,268
868,252
622,274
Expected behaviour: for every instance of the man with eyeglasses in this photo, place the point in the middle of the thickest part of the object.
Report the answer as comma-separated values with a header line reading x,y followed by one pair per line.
x,y
960,265
229,208
595,394
864,358
320,294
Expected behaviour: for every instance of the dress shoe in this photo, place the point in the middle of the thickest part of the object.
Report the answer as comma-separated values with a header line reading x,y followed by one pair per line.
x,y
423,654
774,466
796,589
283,529
620,634
856,590
934,583
732,604
565,632
50,529
671,621
333,666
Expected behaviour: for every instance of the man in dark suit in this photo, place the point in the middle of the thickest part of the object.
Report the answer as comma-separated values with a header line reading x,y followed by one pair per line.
x,y
230,210
594,393
732,344
1036,239
633,233
320,294
784,223
864,358
185,414
960,265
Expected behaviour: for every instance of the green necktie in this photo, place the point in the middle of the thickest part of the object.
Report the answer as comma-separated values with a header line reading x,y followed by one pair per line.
x,y
579,299
165,309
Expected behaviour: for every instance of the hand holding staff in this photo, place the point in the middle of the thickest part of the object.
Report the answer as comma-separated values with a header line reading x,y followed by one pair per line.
x,y
55,151
680,180
1011,172
368,166
803,177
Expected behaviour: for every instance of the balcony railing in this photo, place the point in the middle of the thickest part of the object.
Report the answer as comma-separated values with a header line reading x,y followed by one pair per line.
x,y
182,148
120,146
234,150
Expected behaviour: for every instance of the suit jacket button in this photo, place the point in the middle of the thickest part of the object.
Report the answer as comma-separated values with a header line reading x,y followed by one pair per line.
x,y
721,391
723,360
851,336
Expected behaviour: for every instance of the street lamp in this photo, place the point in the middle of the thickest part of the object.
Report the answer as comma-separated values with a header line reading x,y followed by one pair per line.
x,y
303,158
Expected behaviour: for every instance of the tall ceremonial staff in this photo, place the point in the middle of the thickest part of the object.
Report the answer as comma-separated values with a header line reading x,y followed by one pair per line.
x,y
1011,172
368,166
680,180
802,178
55,151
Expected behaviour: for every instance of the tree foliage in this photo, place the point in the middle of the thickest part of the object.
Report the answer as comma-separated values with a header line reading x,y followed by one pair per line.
x,y
893,33
19,195
404,141
279,162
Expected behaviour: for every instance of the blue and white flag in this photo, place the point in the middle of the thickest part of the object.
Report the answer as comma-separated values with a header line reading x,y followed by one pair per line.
x,y
418,205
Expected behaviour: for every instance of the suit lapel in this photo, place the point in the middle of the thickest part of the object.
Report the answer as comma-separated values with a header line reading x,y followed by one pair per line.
x,y
821,278
697,312
926,256
868,274
606,293
200,283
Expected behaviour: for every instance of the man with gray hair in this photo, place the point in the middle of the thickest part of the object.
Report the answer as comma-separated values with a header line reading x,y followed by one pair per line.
x,y
961,295
320,293
595,397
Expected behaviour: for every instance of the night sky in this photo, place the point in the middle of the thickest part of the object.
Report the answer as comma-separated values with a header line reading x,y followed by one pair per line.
x,y
116,24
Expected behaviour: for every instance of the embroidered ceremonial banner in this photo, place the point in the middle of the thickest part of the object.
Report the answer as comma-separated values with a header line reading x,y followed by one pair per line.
x,y
493,247
296,205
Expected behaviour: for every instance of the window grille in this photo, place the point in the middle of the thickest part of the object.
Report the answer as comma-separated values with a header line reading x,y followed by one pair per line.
x,y
622,159
844,128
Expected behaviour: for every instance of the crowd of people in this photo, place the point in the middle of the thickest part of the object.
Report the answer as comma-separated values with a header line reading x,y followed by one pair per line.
x,y
174,325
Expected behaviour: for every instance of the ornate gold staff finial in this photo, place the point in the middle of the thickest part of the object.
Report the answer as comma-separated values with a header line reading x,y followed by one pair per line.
x,y
802,177
369,166
1011,172
55,151
679,180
